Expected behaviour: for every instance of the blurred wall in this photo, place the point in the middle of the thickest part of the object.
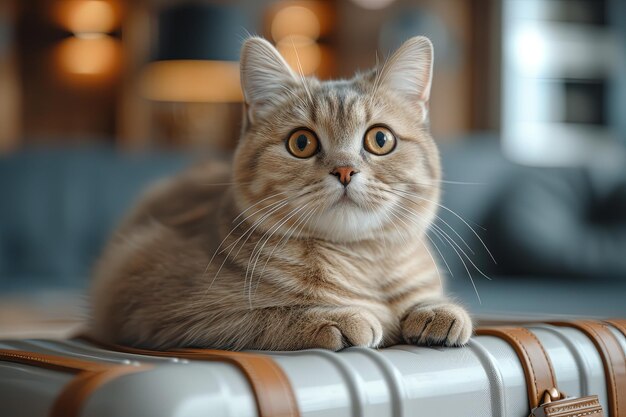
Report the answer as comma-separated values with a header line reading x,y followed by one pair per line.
x,y
9,81
61,85
69,79
617,13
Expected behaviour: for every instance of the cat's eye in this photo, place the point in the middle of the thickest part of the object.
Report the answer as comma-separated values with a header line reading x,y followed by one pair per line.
x,y
379,140
303,143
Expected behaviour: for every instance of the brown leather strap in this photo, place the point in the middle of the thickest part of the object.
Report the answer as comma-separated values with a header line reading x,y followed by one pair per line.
x,y
90,377
535,361
619,324
275,397
613,359
273,393
74,395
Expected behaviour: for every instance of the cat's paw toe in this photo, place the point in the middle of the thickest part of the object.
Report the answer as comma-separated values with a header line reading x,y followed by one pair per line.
x,y
437,325
349,328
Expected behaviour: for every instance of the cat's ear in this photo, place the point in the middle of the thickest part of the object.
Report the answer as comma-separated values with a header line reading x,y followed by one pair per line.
x,y
409,71
264,75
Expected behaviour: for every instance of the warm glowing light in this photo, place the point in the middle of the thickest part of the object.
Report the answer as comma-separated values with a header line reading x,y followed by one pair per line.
x,y
295,20
312,19
87,16
373,4
302,54
192,81
89,56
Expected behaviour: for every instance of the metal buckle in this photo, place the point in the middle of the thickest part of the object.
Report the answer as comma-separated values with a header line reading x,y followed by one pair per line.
x,y
557,404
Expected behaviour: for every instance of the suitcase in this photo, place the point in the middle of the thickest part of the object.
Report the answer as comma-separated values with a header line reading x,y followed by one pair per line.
x,y
565,369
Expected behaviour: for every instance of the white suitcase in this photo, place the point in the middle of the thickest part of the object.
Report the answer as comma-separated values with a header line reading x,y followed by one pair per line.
x,y
486,378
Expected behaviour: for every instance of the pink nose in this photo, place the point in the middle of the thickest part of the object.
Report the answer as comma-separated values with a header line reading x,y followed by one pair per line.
x,y
344,174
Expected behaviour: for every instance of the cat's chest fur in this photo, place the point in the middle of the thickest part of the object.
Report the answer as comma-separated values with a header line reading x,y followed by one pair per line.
x,y
375,274
384,280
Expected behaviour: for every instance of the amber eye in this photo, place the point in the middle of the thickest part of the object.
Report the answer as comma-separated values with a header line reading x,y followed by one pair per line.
x,y
379,140
303,144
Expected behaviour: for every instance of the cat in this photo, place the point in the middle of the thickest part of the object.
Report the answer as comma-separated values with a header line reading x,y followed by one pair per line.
x,y
314,239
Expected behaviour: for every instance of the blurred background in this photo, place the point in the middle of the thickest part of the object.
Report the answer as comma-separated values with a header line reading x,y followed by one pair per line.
x,y
98,98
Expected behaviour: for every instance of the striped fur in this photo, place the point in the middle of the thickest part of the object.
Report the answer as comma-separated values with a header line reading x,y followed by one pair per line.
x,y
285,257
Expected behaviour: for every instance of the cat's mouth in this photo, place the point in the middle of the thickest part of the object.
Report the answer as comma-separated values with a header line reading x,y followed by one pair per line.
x,y
346,198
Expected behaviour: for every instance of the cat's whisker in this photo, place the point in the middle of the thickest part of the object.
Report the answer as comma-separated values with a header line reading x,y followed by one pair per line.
x,y
302,219
380,196
317,221
372,210
462,182
269,206
272,252
255,259
385,190
402,235
257,203
308,217
454,247
248,232
433,259
443,258
438,181
414,184
454,243
397,216
444,222
469,274
456,215
237,226
429,238
252,254
255,225
252,228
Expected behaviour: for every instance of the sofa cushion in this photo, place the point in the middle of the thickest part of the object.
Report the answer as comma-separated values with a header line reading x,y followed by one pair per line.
x,y
58,207
559,221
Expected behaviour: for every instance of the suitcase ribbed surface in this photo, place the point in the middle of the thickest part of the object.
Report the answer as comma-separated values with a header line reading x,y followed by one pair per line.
x,y
484,378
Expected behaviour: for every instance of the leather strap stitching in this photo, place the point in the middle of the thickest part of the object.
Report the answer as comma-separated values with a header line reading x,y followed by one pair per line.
x,y
545,354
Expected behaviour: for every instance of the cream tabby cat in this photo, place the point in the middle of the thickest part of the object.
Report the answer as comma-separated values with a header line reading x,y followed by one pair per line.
x,y
320,240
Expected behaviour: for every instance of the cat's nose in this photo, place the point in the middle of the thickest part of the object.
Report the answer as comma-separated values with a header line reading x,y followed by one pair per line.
x,y
344,174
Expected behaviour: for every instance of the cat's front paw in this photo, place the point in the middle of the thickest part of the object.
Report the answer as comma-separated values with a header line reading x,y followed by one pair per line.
x,y
441,324
341,328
